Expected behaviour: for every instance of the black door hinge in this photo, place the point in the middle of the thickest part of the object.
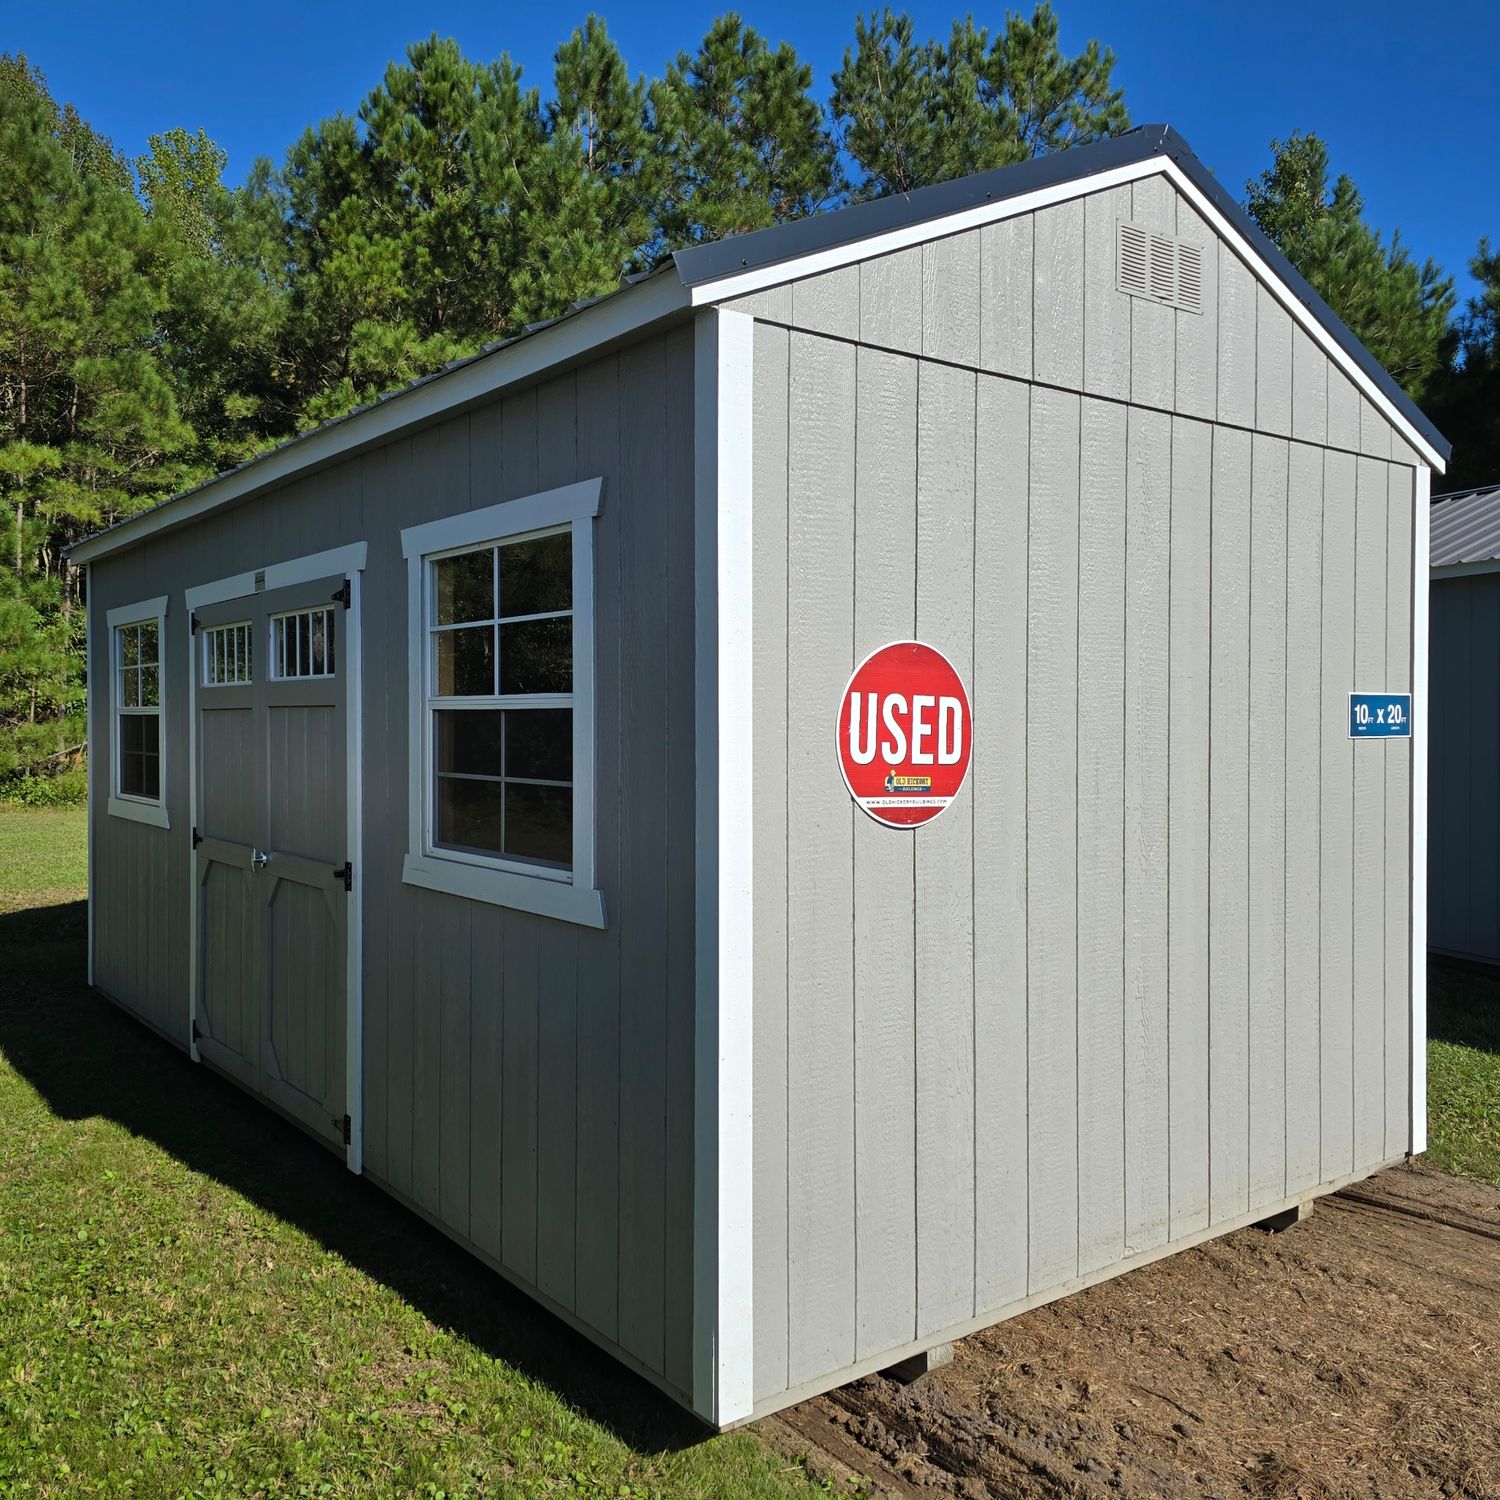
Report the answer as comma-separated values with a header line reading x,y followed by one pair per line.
x,y
197,838
346,1126
344,596
193,624
197,1033
346,874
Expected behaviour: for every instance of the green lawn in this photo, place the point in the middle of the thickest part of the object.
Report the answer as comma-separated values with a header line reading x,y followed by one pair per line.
x,y
1463,1072
197,1301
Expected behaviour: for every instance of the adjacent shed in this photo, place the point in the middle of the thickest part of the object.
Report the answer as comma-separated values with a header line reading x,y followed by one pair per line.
x,y
1463,908
471,775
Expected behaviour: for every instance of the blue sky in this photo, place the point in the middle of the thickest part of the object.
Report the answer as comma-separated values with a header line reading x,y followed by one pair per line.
x,y
1402,93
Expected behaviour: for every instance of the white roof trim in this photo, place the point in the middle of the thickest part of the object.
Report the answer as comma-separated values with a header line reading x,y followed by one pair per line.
x,y
628,312
833,257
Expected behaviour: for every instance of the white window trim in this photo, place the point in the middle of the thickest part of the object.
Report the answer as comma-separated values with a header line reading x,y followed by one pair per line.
x,y
573,897
138,809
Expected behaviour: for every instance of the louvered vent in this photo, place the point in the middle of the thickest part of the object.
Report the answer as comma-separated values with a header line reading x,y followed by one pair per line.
x,y
1161,269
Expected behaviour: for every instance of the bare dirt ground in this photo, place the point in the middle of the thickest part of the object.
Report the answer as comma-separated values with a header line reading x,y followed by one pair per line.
x,y
1355,1354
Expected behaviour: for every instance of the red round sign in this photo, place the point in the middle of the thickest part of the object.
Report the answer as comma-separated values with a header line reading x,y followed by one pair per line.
x,y
904,734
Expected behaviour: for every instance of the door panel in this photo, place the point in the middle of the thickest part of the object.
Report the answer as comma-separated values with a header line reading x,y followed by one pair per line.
x,y
273,908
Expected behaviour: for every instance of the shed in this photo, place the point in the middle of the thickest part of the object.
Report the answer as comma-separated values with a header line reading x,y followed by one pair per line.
x,y
469,774
1463,799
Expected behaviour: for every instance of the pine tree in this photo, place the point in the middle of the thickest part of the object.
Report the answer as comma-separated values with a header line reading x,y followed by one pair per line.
x,y
911,113
1400,310
742,141
89,424
1465,399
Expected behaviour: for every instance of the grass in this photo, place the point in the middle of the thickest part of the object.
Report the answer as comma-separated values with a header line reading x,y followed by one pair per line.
x,y
195,1300
1463,1072
43,855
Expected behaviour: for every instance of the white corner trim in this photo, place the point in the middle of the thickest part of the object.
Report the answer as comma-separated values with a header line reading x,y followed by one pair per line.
x,y
627,314
724,289
346,560
568,897
1420,572
354,824
723,1213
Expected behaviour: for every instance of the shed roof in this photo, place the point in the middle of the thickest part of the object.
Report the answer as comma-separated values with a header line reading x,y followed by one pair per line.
x,y
704,274
1466,527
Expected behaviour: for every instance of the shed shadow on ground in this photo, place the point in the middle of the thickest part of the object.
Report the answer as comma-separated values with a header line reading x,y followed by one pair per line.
x,y
1463,1004
87,1058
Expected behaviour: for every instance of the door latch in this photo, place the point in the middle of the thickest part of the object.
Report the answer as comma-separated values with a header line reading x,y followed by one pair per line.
x,y
259,859
345,875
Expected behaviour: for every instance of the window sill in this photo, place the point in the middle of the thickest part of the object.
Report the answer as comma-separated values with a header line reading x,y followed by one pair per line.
x,y
152,813
544,898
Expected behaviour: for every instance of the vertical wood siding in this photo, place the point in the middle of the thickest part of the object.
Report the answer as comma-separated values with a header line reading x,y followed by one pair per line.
x,y
528,1083
1148,973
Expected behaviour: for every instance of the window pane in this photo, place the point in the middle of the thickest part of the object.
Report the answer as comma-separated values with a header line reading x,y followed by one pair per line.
x,y
537,576
465,587
468,741
539,743
150,690
466,662
538,822
468,814
140,761
536,656
130,687
130,645
148,642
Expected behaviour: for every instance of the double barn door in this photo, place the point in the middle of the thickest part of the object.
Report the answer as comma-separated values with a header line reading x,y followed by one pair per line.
x,y
269,843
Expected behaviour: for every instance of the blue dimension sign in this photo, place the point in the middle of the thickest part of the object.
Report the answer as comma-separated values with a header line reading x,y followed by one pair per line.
x,y
1379,716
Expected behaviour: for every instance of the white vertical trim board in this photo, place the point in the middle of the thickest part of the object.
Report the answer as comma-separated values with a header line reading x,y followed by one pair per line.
x,y
723,1242
194,919
91,689
1420,551
354,926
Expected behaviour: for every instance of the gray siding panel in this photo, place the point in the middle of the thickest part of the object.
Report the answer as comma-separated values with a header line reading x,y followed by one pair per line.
x,y
890,301
1337,819
1103,697
1273,364
1153,328
1266,713
1147,800
493,1059
1228,870
1106,314
950,299
1189,707
998,785
820,1084
1006,296
1196,389
770,571
1236,344
1304,714
885,1015
945,859
1052,841
1057,295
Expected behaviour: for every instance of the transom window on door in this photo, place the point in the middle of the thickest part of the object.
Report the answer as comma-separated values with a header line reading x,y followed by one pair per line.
x,y
136,639
502,666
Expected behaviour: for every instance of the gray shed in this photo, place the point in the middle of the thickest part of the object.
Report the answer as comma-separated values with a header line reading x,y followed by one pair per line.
x,y
1463,800
467,774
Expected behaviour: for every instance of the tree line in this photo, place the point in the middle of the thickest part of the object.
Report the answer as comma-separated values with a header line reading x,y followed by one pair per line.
x,y
158,325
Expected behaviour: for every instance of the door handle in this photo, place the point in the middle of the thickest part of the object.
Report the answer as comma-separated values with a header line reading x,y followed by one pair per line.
x,y
258,860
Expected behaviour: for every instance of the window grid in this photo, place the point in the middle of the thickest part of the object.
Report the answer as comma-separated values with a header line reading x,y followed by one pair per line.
x,y
138,710
444,707
302,644
227,655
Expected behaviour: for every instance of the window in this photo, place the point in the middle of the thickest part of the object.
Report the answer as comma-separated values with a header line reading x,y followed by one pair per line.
x,y
502,731
137,635
227,656
302,644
